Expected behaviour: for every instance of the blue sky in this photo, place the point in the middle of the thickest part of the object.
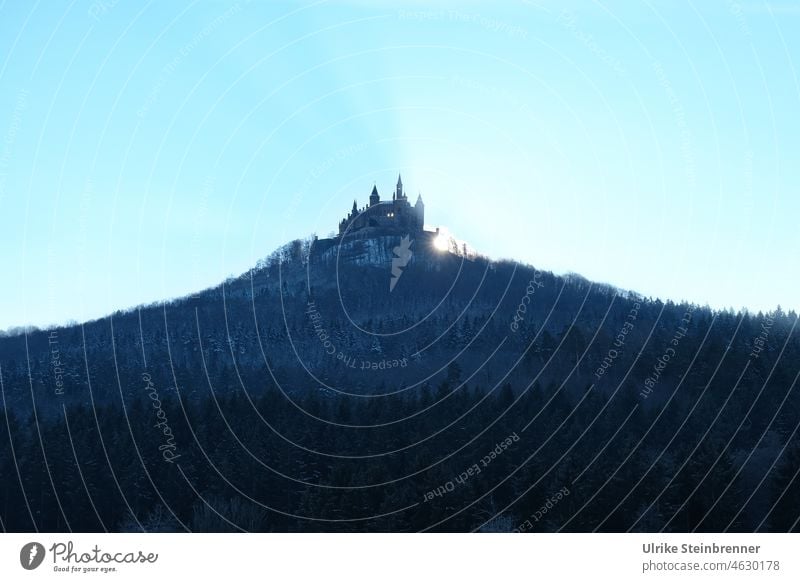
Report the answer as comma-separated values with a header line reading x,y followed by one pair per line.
x,y
151,149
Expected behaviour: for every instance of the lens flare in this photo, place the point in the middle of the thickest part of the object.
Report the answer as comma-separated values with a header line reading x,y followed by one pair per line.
x,y
442,241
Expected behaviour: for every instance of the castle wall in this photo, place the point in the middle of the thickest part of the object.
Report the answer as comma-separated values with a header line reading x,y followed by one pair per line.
x,y
397,215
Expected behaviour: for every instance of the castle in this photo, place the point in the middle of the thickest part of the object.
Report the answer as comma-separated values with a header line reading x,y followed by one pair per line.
x,y
395,216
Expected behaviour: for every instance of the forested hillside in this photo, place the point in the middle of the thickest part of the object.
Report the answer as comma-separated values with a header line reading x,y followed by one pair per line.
x,y
309,395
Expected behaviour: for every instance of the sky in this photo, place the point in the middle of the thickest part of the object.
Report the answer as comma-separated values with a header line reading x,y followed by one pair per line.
x,y
152,149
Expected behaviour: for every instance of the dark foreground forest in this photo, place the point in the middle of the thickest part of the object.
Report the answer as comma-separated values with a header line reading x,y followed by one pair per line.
x,y
306,395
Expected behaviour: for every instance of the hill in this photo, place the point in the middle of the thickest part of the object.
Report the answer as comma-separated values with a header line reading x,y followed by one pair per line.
x,y
375,383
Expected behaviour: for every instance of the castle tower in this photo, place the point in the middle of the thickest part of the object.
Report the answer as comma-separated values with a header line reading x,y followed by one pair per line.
x,y
399,192
374,198
419,211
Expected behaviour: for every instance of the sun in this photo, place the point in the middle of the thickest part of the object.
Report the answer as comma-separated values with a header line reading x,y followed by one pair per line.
x,y
441,243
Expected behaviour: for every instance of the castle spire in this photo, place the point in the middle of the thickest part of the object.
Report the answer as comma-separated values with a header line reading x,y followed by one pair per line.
x,y
374,198
355,208
399,187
